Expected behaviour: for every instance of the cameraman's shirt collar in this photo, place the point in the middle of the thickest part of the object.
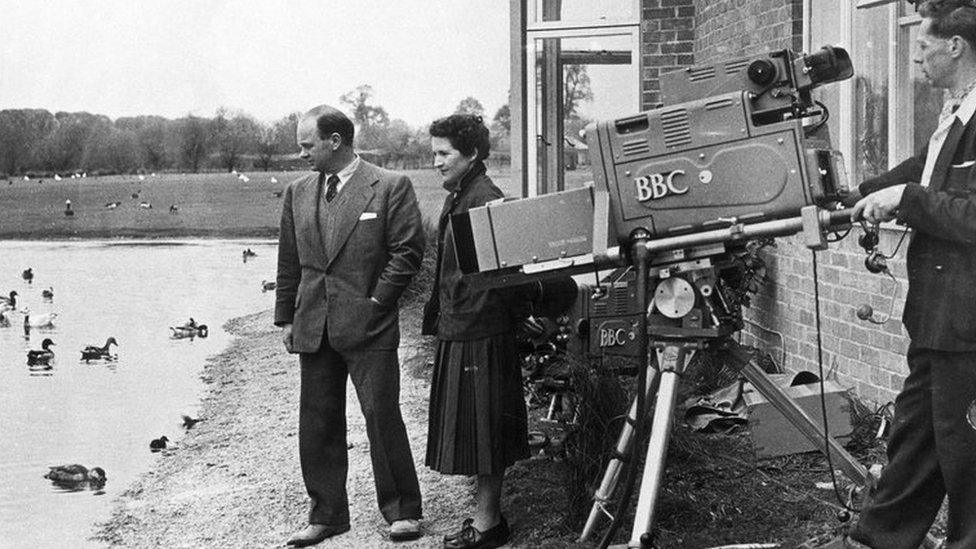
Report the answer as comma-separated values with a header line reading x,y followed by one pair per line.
x,y
964,113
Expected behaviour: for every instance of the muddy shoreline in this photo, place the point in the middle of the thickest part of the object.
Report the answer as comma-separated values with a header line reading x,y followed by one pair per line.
x,y
234,479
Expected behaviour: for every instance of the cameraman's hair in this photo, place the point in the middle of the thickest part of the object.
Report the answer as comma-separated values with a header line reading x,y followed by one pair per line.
x,y
329,120
466,132
951,18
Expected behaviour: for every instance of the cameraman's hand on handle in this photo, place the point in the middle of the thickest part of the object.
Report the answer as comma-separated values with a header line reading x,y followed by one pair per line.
x,y
879,206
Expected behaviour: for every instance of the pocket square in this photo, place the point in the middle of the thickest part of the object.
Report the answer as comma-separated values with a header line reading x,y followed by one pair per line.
x,y
367,215
966,164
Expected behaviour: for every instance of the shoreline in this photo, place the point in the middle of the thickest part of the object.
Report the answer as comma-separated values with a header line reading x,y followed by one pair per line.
x,y
234,479
140,234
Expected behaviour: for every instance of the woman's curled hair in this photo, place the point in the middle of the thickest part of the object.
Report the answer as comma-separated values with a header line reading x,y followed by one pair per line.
x,y
466,132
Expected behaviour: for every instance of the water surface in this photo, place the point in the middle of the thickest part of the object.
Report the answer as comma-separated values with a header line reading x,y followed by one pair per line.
x,y
105,413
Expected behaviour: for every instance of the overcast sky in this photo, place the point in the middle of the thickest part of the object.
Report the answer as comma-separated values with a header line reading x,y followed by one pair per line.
x,y
267,58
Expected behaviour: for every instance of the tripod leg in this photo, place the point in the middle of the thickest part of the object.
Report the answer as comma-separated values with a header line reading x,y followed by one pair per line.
x,y
612,475
672,360
796,415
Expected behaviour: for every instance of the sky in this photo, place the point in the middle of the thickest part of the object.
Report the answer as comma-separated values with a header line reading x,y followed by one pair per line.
x,y
263,57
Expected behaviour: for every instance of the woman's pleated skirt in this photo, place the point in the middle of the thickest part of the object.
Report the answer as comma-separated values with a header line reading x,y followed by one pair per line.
x,y
477,422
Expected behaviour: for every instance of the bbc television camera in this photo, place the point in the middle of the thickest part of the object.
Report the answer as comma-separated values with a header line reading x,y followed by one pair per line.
x,y
739,151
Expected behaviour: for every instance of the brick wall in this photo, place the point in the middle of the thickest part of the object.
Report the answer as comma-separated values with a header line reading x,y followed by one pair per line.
x,y
727,29
668,36
862,355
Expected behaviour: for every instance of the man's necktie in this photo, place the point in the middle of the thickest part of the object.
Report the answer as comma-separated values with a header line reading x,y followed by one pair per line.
x,y
331,191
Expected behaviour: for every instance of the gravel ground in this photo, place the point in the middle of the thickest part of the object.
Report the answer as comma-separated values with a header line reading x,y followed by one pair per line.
x,y
234,480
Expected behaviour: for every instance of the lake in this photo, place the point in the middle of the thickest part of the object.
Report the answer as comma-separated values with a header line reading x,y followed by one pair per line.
x,y
106,413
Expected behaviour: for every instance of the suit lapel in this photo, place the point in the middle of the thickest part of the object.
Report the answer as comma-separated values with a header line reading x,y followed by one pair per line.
x,y
940,170
356,194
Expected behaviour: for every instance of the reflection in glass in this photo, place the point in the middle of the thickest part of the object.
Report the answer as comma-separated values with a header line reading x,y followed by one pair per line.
x,y
577,80
927,102
870,57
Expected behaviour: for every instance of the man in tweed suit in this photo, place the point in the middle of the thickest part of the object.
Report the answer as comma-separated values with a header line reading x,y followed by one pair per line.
x,y
351,240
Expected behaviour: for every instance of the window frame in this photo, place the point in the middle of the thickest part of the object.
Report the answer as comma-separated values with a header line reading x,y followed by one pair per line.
x,y
532,131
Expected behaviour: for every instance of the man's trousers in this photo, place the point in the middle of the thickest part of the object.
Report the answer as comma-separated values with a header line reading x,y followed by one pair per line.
x,y
931,454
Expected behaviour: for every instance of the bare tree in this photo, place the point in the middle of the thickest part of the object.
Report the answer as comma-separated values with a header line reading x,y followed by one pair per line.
x,y
576,89
21,133
470,105
189,139
233,137
369,118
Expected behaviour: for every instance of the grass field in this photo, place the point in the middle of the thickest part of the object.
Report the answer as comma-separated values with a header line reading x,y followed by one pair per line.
x,y
213,204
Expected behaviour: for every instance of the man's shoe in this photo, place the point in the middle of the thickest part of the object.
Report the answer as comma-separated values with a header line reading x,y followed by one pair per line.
x,y
472,538
315,533
464,526
405,530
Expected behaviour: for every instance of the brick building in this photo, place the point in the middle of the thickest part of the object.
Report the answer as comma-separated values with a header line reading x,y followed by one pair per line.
x,y
618,49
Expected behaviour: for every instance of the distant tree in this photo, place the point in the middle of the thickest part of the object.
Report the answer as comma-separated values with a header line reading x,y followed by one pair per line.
x,y
189,139
66,147
150,134
470,105
503,118
576,89
233,137
21,133
111,149
277,139
369,118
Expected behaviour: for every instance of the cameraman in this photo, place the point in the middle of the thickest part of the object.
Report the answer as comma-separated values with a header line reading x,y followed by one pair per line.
x,y
932,449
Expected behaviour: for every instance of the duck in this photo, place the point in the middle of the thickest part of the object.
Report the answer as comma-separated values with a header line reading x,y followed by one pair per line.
x,y
42,357
8,303
45,320
4,320
75,475
158,444
190,329
28,275
267,286
48,293
173,208
189,422
249,253
94,352
113,205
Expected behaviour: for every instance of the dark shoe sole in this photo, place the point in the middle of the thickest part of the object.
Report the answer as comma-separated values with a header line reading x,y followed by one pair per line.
x,y
408,536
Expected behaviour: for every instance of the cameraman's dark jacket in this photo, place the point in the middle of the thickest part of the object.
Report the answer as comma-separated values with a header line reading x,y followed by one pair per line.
x,y
940,308
456,311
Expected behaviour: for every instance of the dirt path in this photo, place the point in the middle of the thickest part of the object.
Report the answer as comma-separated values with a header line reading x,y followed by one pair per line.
x,y
234,479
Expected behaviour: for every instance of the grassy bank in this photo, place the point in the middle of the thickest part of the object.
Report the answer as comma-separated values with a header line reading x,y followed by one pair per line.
x,y
208,205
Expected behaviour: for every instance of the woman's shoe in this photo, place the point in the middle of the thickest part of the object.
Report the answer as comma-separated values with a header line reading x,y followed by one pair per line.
x,y
464,526
472,538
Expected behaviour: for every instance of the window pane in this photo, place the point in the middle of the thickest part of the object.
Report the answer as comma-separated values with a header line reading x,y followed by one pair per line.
x,y
870,57
583,11
927,102
578,80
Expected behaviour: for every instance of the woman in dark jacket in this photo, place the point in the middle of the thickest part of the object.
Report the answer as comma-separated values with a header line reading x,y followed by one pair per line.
x,y
477,422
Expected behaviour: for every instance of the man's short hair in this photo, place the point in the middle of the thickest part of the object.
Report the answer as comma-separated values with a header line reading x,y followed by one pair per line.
x,y
951,18
466,132
329,120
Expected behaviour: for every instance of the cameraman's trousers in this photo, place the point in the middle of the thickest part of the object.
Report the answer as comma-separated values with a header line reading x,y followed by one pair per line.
x,y
931,454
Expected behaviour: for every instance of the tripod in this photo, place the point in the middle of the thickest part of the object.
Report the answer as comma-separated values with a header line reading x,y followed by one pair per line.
x,y
674,344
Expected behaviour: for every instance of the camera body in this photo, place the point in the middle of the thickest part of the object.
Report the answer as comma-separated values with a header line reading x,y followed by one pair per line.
x,y
730,146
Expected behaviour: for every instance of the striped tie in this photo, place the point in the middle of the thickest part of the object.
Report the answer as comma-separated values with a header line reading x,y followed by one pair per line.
x,y
331,191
